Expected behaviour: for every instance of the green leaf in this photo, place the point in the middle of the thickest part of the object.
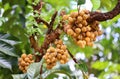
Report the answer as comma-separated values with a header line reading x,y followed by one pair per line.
x,y
47,74
107,4
34,70
4,63
81,2
6,45
82,66
100,65
19,76
96,4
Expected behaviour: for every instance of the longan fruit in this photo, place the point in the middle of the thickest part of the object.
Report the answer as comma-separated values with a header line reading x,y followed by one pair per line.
x,y
30,56
65,17
60,41
48,61
88,34
79,18
88,28
84,29
27,59
81,13
23,56
80,37
74,35
77,30
92,35
70,32
52,49
58,46
21,67
87,39
74,14
19,60
79,42
63,47
70,19
63,57
23,63
80,25
84,22
85,17
62,61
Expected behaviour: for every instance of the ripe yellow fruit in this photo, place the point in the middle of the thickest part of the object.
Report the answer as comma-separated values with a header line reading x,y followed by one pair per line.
x,y
70,32
30,56
79,18
23,56
84,29
71,20
62,61
22,63
27,59
80,25
87,39
65,17
77,30
88,34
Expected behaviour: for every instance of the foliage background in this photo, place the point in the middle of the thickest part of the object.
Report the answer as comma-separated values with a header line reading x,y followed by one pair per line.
x,y
16,20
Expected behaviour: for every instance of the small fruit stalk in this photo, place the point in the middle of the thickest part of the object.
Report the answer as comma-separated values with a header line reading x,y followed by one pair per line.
x,y
24,61
57,53
83,33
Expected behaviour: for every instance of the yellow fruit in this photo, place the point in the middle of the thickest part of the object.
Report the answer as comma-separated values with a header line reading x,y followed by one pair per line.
x,y
48,60
26,59
30,56
71,20
52,49
77,30
87,39
88,34
62,61
80,25
23,63
79,18
23,56
63,47
84,29
70,32
65,17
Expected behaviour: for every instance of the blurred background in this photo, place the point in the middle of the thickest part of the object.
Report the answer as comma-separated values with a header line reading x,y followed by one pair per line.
x,y
16,20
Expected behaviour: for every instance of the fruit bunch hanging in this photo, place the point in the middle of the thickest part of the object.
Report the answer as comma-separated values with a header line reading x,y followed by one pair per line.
x,y
25,61
57,53
82,32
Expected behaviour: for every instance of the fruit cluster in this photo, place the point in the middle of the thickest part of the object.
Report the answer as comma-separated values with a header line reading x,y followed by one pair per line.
x,y
25,61
83,33
53,55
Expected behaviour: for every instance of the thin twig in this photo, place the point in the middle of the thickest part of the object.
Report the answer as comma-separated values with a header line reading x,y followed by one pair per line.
x,y
40,20
74,59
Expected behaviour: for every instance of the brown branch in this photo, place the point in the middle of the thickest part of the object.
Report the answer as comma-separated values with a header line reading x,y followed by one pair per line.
x,y
74,59
50,28
105,16
40,20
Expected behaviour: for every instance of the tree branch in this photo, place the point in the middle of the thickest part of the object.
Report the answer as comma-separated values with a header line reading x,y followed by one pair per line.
x,y
105,16
40,20
74,59
50,28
